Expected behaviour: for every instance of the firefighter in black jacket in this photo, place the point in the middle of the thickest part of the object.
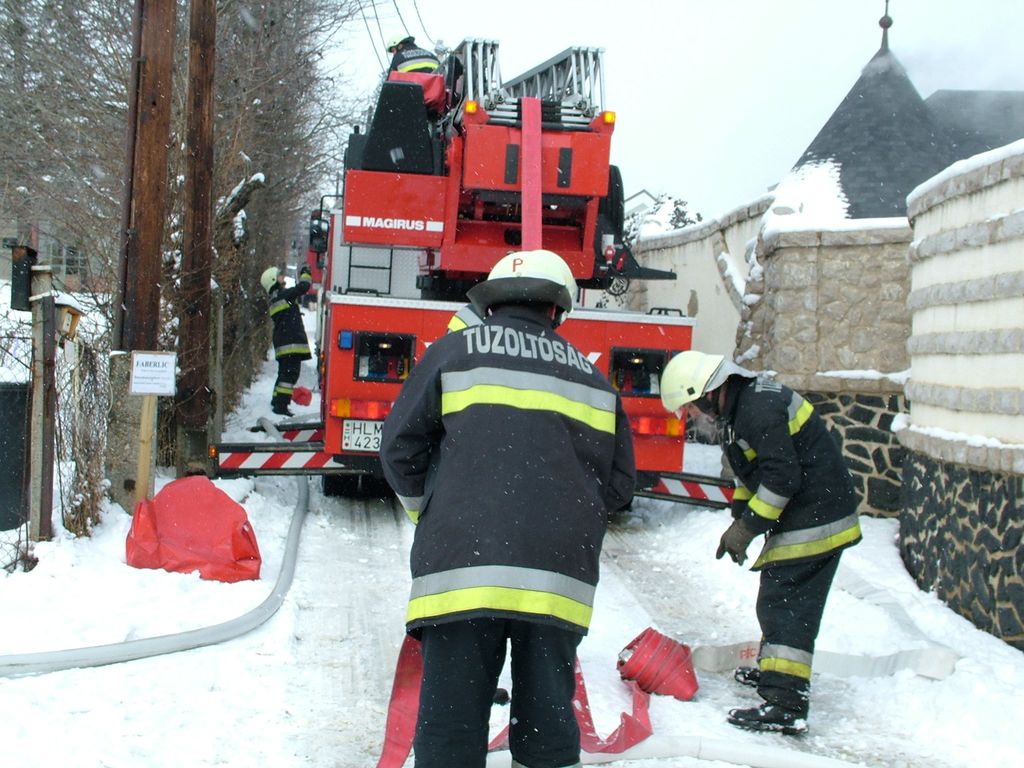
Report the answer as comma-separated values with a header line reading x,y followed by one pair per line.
x,y
793,485
406,56
290,344
510,451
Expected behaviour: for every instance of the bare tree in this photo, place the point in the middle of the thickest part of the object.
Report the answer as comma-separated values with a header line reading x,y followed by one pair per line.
x,y
64,71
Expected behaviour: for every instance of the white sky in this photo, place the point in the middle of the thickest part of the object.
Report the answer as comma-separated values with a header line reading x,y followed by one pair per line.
x,y
717,100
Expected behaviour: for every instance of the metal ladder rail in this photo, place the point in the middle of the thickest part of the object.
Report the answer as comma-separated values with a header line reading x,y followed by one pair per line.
x,y
575,76
482,78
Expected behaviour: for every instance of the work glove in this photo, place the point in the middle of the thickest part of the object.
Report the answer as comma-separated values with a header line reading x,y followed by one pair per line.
x,y
735,541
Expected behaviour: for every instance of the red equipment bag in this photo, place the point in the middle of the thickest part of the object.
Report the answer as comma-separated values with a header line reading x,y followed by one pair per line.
x,y
435,98
302,395
192,525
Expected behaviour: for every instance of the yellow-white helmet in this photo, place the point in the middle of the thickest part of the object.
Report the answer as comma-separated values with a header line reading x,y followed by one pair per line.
x,y
526,277
691,374
396,40
268,278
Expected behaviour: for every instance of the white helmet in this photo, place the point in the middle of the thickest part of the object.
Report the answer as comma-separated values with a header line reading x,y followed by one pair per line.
x,y
689,375
539,276
396,40
268,278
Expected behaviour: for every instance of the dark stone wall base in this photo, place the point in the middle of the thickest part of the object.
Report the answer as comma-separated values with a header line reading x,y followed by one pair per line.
x,y
960,537
861,424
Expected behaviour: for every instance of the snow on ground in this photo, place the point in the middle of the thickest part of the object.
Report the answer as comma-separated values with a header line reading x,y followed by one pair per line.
x,y
310,686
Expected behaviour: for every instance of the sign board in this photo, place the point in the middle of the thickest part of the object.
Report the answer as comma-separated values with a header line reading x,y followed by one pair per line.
x,y
153,373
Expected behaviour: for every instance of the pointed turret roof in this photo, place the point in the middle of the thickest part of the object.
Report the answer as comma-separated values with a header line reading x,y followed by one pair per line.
x,y
882,138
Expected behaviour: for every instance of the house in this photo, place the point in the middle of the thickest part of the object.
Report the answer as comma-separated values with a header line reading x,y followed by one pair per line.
x,y
639,203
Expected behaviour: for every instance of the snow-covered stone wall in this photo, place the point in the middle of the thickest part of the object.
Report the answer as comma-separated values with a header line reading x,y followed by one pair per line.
x,y
967,299
782,285
833,325
961,526
711,262
834,315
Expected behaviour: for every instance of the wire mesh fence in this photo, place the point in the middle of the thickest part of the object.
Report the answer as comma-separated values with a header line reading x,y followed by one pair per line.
x,y
82,402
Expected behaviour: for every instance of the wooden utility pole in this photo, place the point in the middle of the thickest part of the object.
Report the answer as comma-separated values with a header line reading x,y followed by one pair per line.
x,y
137,310
137,314
194,352
44,406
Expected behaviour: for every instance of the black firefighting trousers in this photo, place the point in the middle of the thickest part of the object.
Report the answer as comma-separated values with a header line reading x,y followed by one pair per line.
x,y
289,367
461,665
790,603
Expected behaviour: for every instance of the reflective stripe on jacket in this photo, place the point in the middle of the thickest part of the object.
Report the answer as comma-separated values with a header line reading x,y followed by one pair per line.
x,y
414,60
464,318
802,494
510,451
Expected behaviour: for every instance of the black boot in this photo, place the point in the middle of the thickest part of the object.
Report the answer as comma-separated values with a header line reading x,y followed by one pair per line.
x,y
750,676
769,717
281,410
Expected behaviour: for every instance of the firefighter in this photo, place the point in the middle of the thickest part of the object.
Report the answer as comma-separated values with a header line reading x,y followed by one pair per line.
x,y
792,485
290,344
406,56
509,450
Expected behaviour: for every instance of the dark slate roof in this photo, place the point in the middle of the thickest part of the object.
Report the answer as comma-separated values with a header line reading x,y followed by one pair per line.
x,y
884,139
979,121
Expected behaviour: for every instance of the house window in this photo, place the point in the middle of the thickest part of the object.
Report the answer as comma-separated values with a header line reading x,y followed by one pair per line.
x,y
75,262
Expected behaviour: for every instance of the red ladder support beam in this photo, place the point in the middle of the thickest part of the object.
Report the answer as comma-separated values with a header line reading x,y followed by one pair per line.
x,y
531,173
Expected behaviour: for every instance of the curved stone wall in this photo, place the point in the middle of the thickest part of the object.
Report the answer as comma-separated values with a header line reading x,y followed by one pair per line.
x,y
833,325
710,262
960,537
967,305
962,516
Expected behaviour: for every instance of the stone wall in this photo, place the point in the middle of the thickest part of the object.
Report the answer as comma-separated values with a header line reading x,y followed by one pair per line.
x,y
833,325
712,265
825,309
861,424
834,315
962,516
960,537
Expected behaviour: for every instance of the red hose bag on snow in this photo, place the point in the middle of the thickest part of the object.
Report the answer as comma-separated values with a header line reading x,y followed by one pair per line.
x,y
192,525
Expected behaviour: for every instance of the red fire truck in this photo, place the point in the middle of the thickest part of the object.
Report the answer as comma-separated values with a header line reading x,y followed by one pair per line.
x,y
453,171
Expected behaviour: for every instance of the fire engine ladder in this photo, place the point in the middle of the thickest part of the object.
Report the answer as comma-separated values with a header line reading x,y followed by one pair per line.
x,y
572,81
481,77
574,78
370,270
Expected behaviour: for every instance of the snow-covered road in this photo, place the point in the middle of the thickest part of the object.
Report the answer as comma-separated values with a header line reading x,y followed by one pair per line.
x,y
309,688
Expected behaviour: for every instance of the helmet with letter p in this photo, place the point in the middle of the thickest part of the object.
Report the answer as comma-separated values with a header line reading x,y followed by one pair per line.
x,y
527,277
690,375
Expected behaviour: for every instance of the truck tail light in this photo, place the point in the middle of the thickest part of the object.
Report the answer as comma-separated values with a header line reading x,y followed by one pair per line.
x,y
345,408
637,372
656,425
